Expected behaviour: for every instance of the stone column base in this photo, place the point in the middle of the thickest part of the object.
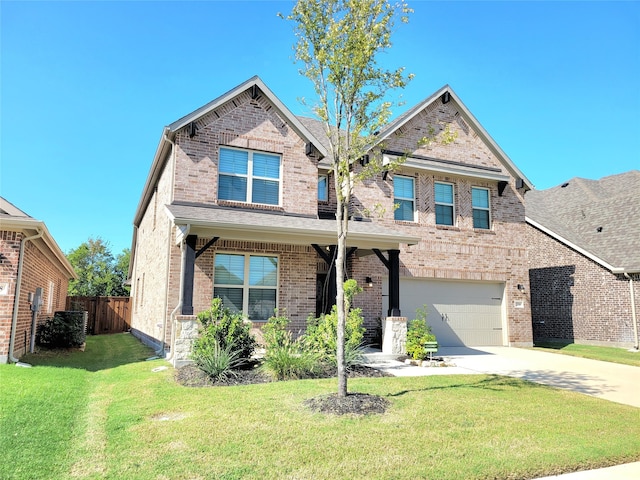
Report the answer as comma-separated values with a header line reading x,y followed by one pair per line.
x,y
394,335
187,330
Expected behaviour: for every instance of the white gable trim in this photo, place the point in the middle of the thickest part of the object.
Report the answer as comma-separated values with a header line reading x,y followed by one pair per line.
x,y
573,246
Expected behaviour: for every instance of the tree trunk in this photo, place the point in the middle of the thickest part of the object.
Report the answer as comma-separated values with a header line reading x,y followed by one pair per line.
x,y
342,218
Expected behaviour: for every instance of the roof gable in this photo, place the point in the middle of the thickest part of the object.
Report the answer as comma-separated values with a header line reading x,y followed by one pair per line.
x,y
446,95
599,218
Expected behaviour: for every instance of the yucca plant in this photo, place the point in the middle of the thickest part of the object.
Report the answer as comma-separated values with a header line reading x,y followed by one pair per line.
x,y
217,361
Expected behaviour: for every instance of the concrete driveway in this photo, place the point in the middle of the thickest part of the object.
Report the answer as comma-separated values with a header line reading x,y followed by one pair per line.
x,y
610,381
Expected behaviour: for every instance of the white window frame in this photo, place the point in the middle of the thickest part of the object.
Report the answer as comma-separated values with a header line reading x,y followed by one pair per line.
x,y
486,209
246,286
452,204
250,177
325,189
413,200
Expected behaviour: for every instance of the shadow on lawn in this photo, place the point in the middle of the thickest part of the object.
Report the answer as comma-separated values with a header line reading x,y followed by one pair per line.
x,y
101,352
576,382
490,382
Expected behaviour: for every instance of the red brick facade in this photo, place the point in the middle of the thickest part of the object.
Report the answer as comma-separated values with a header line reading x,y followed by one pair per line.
x,y
575,299
190,176
40,269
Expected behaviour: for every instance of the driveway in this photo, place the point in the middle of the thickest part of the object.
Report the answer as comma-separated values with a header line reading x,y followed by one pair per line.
x,y
610,381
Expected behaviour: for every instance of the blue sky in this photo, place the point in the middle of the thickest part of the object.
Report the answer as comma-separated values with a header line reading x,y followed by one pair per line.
x,y
88,86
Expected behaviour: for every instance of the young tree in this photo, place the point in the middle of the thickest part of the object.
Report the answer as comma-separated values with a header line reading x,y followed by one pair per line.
x,y
338,42
99,274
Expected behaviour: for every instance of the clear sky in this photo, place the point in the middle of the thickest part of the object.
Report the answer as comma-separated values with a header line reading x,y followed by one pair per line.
x,y
88,86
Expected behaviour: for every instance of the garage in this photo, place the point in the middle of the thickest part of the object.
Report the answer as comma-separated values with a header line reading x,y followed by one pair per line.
x,y
459,313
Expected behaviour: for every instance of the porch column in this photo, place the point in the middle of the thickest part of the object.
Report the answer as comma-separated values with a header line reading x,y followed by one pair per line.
x,y
394,283
188,268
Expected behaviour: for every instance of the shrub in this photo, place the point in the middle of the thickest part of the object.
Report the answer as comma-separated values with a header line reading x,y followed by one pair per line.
x,y
274,332
291,361
216,360
322,333
64,330
285,358
418,334
226,328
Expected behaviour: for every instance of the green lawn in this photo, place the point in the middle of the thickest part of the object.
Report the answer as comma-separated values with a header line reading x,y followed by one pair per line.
x,y
605,354
104,413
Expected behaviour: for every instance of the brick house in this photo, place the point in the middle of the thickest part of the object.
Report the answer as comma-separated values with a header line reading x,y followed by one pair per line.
x,y
239,204
30,259
584,258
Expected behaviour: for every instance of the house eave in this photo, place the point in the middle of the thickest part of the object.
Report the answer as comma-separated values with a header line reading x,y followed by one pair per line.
x,y
30,226
613,269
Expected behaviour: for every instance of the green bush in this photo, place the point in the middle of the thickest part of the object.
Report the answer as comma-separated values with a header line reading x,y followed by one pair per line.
x,y
285,358
220,325
322,332
418,335
64,330
274,332
217,361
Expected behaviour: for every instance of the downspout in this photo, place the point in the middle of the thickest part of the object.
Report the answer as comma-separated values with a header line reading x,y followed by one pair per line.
x,y
16,299
161,352
183,254
634,317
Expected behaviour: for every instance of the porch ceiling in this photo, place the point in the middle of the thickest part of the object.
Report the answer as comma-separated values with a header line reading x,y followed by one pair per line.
x,y
276,227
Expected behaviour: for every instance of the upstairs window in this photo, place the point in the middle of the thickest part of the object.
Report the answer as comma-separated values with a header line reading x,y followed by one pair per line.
x,y
404,198
247,283
480,203
444,203
250,177
323,188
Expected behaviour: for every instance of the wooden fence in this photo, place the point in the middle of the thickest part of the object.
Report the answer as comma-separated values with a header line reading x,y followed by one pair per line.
x,y
105,314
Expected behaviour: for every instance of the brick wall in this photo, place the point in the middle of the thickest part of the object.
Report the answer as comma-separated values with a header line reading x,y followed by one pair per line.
x,y
38,271
249,124
151,298
575,299
459,252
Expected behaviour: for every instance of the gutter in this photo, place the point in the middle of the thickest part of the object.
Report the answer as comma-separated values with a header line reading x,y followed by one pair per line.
x,y
634,317
16,299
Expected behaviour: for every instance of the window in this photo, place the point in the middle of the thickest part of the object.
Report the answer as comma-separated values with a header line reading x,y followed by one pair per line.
x,y
247,283
444,203
249,175
480,203
50,297
323,188
403,196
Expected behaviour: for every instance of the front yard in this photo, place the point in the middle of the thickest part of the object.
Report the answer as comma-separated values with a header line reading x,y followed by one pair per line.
x,y
105,413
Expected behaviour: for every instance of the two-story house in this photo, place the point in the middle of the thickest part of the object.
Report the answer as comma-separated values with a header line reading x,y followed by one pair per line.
x,y
239,205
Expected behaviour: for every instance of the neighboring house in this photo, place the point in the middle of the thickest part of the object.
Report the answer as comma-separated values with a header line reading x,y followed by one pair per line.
x,y
584,259
30,260
239,204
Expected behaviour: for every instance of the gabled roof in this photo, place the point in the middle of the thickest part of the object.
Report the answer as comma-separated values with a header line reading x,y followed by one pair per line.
x,y
468,117
169,132
15,220
598,218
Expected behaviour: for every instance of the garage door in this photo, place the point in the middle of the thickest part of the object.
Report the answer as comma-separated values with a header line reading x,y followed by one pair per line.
x,y
460,313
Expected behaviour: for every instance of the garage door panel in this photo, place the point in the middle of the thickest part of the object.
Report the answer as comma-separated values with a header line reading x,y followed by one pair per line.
x,y
459,313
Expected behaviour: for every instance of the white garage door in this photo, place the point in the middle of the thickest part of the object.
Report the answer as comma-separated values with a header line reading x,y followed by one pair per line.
x,y
460,313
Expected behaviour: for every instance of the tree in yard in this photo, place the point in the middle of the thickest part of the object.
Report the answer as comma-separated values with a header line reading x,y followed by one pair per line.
x,y
99,273
338,42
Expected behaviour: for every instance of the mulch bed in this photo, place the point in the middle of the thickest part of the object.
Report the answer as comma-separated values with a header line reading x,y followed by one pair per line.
x,y
352,404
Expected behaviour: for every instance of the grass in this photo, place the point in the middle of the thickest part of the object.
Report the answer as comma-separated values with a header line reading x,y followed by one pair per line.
x,y
605,354
104,413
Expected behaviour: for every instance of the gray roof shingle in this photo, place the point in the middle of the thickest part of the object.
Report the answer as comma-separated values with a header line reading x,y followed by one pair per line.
x,y
602,217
